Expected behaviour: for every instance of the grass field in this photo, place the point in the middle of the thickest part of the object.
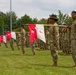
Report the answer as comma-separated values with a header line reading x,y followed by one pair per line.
x,y
15,63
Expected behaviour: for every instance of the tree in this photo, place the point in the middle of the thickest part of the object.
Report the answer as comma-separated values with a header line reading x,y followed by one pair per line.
x,y
26,19
14,20
69,20
35,20
64,18
42,21
2,18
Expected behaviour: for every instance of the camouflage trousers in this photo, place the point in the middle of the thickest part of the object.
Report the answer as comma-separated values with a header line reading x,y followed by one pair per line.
x,y
73,49
21,43
54,53
23,40
12,43
33,48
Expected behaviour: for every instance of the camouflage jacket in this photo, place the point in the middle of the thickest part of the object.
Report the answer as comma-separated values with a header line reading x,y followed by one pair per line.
x,y
23,33
54,34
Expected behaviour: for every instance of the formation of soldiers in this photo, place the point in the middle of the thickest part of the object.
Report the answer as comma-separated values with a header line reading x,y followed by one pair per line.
x,y
64,40
57,38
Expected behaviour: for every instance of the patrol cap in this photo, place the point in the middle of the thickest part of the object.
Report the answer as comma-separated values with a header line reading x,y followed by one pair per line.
x,y
53,17
73,12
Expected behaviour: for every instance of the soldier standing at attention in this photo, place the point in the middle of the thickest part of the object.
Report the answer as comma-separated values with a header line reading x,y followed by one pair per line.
x,y
73,37
53,38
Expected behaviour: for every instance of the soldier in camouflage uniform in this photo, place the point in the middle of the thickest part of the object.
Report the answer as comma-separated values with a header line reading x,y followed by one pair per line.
x,y
47,40
64,39
27,44
73,37
12,43
61,38
22,38
33,48
54,38
6,45
18,40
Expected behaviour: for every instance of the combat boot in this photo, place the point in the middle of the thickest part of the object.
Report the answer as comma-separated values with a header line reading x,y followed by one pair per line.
x,y
54,64
74,66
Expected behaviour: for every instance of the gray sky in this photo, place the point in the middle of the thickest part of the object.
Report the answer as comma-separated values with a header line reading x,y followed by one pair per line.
x,y
38,8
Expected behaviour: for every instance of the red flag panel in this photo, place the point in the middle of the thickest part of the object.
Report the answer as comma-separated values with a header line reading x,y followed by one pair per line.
x,y
33,34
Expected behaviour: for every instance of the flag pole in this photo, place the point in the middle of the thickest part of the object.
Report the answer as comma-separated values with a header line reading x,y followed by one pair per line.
x,y
10,15
50,25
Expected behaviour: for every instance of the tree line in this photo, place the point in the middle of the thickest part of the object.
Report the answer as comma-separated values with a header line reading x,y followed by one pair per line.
x,y
16,22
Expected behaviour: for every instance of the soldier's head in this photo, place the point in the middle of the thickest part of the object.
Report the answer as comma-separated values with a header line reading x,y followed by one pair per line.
x,y
22,27
73,14
52,19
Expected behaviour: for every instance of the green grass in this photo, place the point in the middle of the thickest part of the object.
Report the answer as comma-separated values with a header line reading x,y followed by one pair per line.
x,y
15,63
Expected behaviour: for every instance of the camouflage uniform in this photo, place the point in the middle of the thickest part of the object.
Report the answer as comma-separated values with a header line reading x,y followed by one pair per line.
x,y
12,43
6,45
23,39
60,37
64,40
33,48
42,44
47,40
54,41
64,34
18,40
67,39
73,40
27,44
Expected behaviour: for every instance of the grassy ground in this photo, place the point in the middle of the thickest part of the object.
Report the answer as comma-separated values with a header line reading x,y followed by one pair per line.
x,y
15,63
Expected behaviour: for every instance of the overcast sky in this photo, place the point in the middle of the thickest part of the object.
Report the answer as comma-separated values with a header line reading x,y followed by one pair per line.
x,y
38,8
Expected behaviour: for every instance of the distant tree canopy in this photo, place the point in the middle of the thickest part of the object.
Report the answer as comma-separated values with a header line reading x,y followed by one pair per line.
x,y
64,18
16,22
2,19
5,21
